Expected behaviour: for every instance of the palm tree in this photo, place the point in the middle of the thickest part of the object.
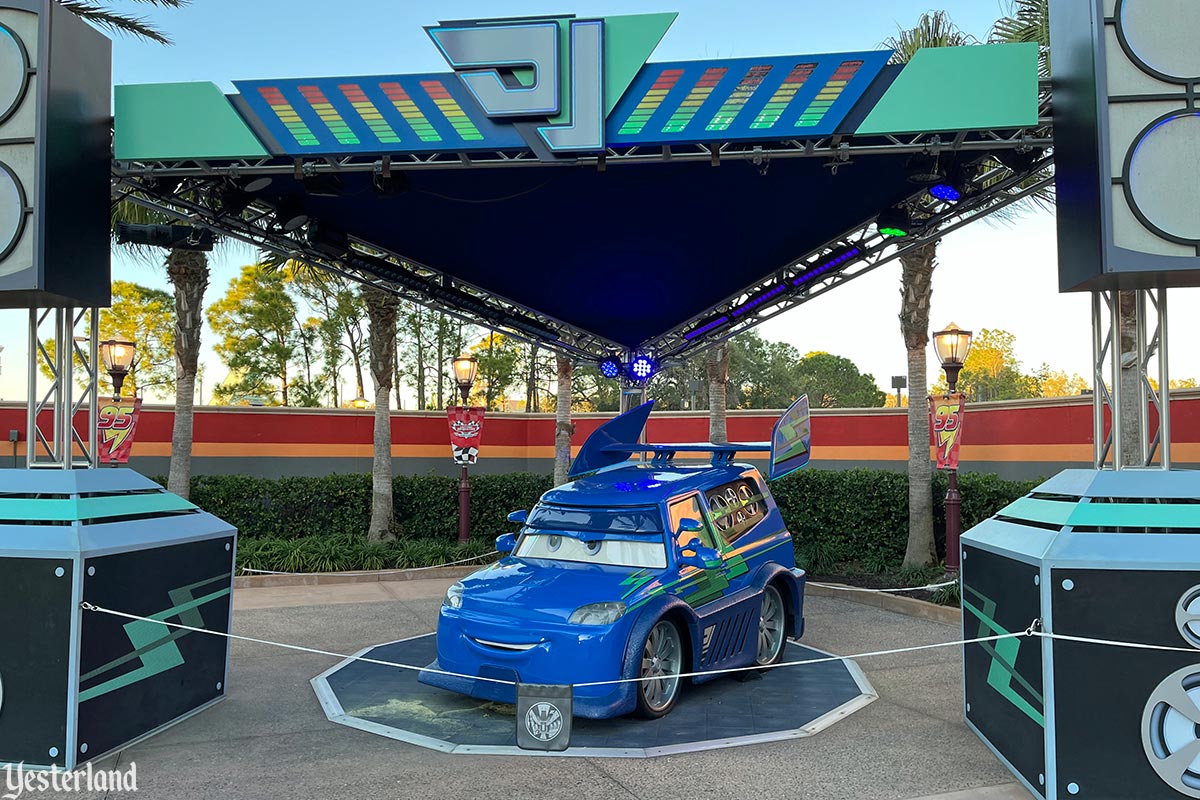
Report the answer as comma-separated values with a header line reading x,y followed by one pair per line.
x,y
100,15
934,29
563,426
383,308
186,270
1029,21
717,368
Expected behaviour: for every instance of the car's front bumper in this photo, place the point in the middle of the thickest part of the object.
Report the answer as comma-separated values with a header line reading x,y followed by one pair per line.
x,y
475,646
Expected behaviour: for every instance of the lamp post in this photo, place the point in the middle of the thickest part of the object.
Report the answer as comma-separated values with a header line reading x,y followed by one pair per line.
x,y
465,369
117,355
952,345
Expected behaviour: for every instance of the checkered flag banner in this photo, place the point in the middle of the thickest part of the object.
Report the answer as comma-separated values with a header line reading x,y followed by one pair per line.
x,y
466,428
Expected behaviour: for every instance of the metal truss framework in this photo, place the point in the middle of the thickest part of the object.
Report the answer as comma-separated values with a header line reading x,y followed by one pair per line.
x,y
1108,363
186,190
60,445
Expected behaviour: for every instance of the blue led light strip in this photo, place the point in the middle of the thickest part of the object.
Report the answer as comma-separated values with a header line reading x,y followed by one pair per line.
x,y
828,265
755,302
716,323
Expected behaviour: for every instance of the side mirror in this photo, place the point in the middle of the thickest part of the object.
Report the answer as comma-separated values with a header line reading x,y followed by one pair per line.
x,y
518,517
701,556
689,525
506,542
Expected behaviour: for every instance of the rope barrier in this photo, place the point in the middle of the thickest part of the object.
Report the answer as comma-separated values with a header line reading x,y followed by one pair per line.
x,y
378,662
928,587
376,572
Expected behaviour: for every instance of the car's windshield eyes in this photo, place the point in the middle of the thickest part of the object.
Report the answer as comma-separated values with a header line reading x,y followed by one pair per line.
x,y
614,552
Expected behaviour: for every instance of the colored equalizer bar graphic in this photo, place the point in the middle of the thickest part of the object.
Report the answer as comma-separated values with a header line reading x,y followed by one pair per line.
x,y
651,101
288,116
329,115
408,109
741,95
452,111
369,113
784,95
829,94
691,104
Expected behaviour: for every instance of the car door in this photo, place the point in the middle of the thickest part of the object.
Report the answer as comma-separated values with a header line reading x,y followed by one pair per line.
x,y
696,586
727,621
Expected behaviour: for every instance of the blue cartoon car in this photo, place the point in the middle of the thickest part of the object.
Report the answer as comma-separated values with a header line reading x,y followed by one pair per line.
x,y
633,570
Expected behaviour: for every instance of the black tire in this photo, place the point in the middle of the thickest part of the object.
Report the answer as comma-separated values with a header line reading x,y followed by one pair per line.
x,y
662,656
772,627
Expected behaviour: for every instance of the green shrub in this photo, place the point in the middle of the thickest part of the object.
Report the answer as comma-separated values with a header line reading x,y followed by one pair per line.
x,y
342,553
854,520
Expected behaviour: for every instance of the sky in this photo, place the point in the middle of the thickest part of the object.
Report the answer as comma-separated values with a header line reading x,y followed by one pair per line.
x,y
990,275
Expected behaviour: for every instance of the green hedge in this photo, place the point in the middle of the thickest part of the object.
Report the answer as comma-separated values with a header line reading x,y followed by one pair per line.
x,y
847,517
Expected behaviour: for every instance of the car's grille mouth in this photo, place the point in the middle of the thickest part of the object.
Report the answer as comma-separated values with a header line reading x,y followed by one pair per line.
x,y
506,645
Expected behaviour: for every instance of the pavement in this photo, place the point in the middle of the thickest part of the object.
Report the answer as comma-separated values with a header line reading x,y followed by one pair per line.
x,y
270,738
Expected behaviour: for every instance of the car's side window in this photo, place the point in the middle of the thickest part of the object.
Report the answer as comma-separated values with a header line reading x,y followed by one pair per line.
x,y
689,508
736,507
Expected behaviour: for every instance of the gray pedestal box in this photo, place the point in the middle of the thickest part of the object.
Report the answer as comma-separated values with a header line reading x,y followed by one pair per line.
x,y
77,684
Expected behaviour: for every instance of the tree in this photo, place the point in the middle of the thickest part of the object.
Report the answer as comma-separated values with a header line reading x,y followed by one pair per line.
x,y
255,321
564,428
499,367
834,382
99,14
591,391
992,371
717,367
934,29
1056,383
186,270
342,338
382,309
143,316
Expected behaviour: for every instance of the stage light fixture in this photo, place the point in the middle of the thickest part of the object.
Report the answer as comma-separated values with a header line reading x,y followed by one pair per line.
x,y
955,186
389,185
170,237
323,184
894,223
254,183
924,168
642,368
1019,161
711,324
326,240
290,216
611,367
232,201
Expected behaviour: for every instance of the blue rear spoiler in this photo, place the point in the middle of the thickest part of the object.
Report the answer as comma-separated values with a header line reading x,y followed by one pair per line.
x,y
616,440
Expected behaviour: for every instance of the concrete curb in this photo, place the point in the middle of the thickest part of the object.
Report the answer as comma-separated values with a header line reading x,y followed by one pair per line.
x,y
909,606
888,602
331,578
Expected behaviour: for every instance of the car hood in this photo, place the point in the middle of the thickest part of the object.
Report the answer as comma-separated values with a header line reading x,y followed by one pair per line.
x,y
543,590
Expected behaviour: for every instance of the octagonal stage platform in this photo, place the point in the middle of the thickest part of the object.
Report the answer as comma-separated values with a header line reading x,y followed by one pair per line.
x,y
786,703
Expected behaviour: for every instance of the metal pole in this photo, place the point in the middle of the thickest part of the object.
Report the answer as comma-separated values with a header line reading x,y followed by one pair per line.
x,y
1114,403
1098,388
31,393
94,400
63,354
1164,385
464,488
1139,307
953,498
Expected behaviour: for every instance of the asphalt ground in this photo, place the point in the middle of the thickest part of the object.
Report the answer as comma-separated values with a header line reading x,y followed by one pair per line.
x,y
270,739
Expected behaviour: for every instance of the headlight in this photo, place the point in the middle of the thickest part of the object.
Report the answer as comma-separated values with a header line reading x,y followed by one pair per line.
x,y
454,596
598,614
